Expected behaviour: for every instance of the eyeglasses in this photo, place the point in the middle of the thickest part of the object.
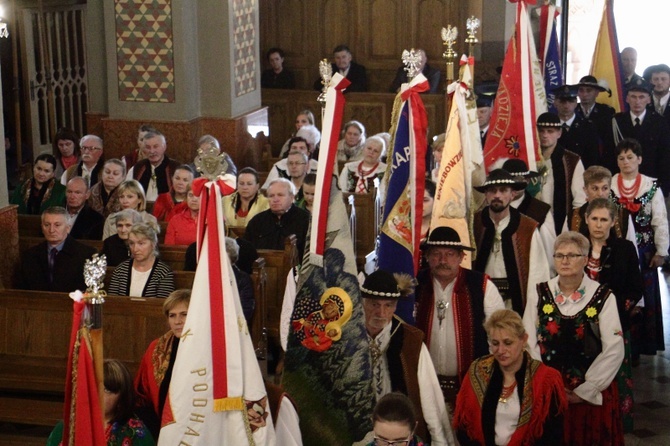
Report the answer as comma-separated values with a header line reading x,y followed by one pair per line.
x,y
383,442
293,164
90,148
571,257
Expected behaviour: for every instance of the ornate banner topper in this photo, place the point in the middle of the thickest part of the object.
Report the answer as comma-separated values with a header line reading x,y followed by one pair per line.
x,y
210,162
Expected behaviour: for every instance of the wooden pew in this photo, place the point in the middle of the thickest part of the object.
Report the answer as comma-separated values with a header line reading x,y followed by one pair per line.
x,y
35,331
277,266
367,221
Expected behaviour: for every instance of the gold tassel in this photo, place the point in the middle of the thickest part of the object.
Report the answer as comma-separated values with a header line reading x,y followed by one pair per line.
x,y
226,404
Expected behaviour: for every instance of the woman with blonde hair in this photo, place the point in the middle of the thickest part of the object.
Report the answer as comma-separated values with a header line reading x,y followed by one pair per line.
x,y
359,176
507,397
131,196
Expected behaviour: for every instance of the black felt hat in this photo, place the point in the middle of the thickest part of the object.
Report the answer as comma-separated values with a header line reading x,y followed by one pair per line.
x,y
518,168
500,177
660,68
548,119
445,237
381,285
590,81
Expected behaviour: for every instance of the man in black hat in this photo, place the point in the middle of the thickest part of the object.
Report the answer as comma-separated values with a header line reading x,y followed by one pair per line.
x,y
450,300
563,184
650,129
578,134
599,114
659,77
400,359
509,246
531,207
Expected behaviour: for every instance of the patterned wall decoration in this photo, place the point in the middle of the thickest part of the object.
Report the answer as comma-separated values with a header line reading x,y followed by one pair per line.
x,y
144,50
244,38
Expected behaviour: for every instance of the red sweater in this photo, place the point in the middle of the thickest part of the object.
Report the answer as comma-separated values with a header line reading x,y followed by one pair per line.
x,y
182,229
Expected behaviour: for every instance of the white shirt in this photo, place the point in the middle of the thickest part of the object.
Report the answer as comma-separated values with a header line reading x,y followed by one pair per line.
x,y
660,104
641,117
659,213
606,365
138,281
443,350
287,427
547,233
507,418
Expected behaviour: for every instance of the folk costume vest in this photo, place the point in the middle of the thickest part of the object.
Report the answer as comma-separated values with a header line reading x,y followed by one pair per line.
x,y
515,245
468,306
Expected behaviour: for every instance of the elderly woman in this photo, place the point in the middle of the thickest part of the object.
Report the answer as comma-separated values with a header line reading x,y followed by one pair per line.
x,y
350,146
165,203
155,371
359,176
573,326
143,275
104,197
508,398
242,205
613,262
183,226
131,196
123,427
643,199
42,191
116,246
66,150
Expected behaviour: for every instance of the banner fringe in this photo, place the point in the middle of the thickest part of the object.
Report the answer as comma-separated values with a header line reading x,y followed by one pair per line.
x,y
227,404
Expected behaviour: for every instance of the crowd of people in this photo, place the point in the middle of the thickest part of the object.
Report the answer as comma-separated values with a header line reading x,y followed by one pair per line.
x,y
535,344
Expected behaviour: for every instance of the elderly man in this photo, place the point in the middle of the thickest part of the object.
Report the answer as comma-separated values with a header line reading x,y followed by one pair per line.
x,y
453,302
400,359
343,64
57,264
563,187
509,247
431,73
155,171
269,229
90,166
280,168
85,222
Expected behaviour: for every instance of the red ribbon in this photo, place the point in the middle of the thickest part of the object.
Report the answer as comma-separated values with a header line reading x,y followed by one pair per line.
x,y
629,204
466,60
419,123
330,153
528,2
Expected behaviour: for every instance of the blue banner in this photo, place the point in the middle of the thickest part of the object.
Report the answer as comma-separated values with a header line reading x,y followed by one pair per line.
x,y
553,74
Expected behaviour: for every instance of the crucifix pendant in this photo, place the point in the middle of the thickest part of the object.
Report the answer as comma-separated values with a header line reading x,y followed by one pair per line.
x,y
442,310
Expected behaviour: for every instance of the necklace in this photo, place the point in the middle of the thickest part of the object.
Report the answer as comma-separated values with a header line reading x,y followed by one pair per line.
x,y
365,173
506,393
629,192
